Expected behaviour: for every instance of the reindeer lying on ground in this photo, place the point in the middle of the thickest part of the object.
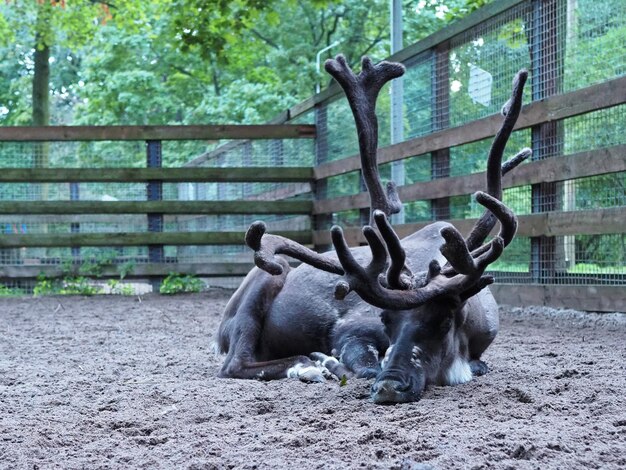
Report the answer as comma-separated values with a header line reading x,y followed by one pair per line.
x,y
398,314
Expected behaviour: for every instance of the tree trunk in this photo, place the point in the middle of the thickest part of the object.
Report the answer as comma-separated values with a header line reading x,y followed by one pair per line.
x,y
41,85
41,106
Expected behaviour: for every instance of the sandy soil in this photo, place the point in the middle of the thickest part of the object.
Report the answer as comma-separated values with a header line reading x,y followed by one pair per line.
x,y
119,382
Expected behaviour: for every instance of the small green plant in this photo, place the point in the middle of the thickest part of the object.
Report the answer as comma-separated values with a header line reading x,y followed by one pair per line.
x,y
69,285
176,283
78,285
95,261
126,268
11,291
45,286
119,288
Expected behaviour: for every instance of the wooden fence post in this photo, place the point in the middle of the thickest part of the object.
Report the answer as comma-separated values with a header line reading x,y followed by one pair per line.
x,y
321,222
547,138
154,190
440,159
75,226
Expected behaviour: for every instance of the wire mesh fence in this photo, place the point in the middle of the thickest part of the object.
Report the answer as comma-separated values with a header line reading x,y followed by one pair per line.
x,y
566,45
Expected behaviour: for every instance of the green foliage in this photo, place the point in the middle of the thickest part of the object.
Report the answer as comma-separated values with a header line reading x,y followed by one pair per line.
x,y
95,260
69,285
45,286
11,291
177,284
117,287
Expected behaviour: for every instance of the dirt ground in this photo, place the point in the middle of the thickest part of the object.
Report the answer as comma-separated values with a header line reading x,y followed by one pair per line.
x,y
129,382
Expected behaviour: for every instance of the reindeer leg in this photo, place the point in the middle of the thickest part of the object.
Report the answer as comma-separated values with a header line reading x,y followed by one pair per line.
x,y
358,344
241,331
332,364
297,367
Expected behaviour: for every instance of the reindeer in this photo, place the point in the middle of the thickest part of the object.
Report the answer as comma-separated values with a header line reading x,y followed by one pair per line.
x,y
406,312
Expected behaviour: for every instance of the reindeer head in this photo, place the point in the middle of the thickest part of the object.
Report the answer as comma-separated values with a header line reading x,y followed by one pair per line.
x,y
420,310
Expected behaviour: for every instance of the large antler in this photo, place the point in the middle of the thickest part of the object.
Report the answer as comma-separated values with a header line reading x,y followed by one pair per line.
x,y
495,168
362,91
266,246
390,284
465,280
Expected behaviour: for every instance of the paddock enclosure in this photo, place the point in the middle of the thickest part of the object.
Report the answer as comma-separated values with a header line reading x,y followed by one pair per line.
x,y
139,202
129,382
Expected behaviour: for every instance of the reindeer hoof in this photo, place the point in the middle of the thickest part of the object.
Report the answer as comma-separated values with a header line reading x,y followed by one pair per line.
x,y
478,368
308,373
367,373
335,368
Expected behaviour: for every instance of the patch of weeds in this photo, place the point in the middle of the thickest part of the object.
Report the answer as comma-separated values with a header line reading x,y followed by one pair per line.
x,y
45,286
78,285
69,285
94,262
11,291
119,288
176,283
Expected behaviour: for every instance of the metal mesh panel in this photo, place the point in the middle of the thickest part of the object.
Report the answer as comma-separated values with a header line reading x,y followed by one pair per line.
x,y
417,96
338,133
72,154
342,185
482,63
603,128
351,218
472,157
514,264
237,153
594,41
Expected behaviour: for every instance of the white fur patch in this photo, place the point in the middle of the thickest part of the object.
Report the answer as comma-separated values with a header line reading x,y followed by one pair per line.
x,y
415,357
215,348
306,373
371,348
459,372
383,363
326,360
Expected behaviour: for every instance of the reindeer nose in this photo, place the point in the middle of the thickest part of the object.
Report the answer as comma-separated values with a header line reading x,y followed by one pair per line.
x,y
390,391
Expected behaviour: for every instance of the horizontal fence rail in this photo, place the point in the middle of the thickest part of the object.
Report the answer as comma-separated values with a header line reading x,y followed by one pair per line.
x,y
96,133
140,271
166,175
157,207
137,239
596,222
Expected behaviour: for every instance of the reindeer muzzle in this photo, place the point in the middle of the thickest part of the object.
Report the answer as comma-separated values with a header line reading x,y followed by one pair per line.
x,y
390,391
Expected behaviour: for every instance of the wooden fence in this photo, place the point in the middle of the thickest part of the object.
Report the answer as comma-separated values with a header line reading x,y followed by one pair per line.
x,y
153,209
550,107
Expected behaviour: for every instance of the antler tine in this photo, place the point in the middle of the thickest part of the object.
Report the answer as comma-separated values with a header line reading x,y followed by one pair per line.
x,y
495,168
266,246
457,251
362,91
356,274
397,255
